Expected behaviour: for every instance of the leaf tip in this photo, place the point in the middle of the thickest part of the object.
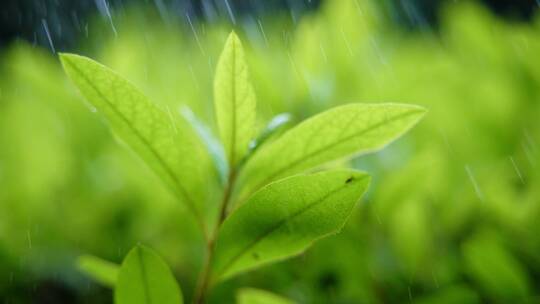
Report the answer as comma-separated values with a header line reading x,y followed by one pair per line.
x,y
421,113
69,60
417,113
140,247
423,110
233,34
137,249
65,57
233,38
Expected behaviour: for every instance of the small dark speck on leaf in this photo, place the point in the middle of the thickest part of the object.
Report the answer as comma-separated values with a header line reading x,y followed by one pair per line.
x,y
255,256
350,179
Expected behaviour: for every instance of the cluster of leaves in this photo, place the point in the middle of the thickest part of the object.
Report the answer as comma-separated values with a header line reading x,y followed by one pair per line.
x,y
271,209
452,210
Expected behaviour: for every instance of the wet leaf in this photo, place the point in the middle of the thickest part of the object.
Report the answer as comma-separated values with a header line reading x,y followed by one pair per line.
x,y
234,100
170,147
338,133
286,217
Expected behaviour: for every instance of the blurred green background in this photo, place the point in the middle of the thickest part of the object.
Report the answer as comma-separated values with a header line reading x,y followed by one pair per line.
x,y
454,209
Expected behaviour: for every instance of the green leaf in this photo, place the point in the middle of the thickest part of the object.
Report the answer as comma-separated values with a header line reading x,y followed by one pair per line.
x,y
234,100
338,133
144,278
284,218
257,296
102,271
170,147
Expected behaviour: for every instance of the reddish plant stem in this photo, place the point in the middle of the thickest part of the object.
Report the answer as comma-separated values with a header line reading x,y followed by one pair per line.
x,y
204,278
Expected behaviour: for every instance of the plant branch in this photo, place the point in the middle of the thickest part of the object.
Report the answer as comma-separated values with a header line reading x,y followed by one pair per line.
x,y
204,278
226,199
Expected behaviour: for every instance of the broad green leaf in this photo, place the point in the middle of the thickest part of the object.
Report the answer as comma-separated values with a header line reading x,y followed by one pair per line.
x,y
170,147
284,218
98,269
144,278
257,296
234,100
338,133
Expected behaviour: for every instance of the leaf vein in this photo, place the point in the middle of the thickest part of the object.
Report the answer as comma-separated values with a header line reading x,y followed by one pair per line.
x,y
281,223
233,100
312,154
158,157
144,277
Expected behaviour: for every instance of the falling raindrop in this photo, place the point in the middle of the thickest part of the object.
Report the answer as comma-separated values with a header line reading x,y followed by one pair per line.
x,y
75,20
262,32
162,10
377,217
195,34
209,10
435,279
323,52
530,140
103,8
195,81
528,154
474,182
229,10
346,42
29,239
46,28
518,172
293,64
173,122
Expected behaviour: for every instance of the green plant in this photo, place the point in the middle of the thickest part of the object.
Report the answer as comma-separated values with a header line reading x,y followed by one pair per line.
x,y
273,205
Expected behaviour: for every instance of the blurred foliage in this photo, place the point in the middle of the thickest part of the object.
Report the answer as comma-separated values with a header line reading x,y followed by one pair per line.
x,y
453,210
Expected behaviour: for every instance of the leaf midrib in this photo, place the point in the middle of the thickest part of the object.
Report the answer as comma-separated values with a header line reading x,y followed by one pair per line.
x,y
233,100
144,277
314,153
168,170
282,222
